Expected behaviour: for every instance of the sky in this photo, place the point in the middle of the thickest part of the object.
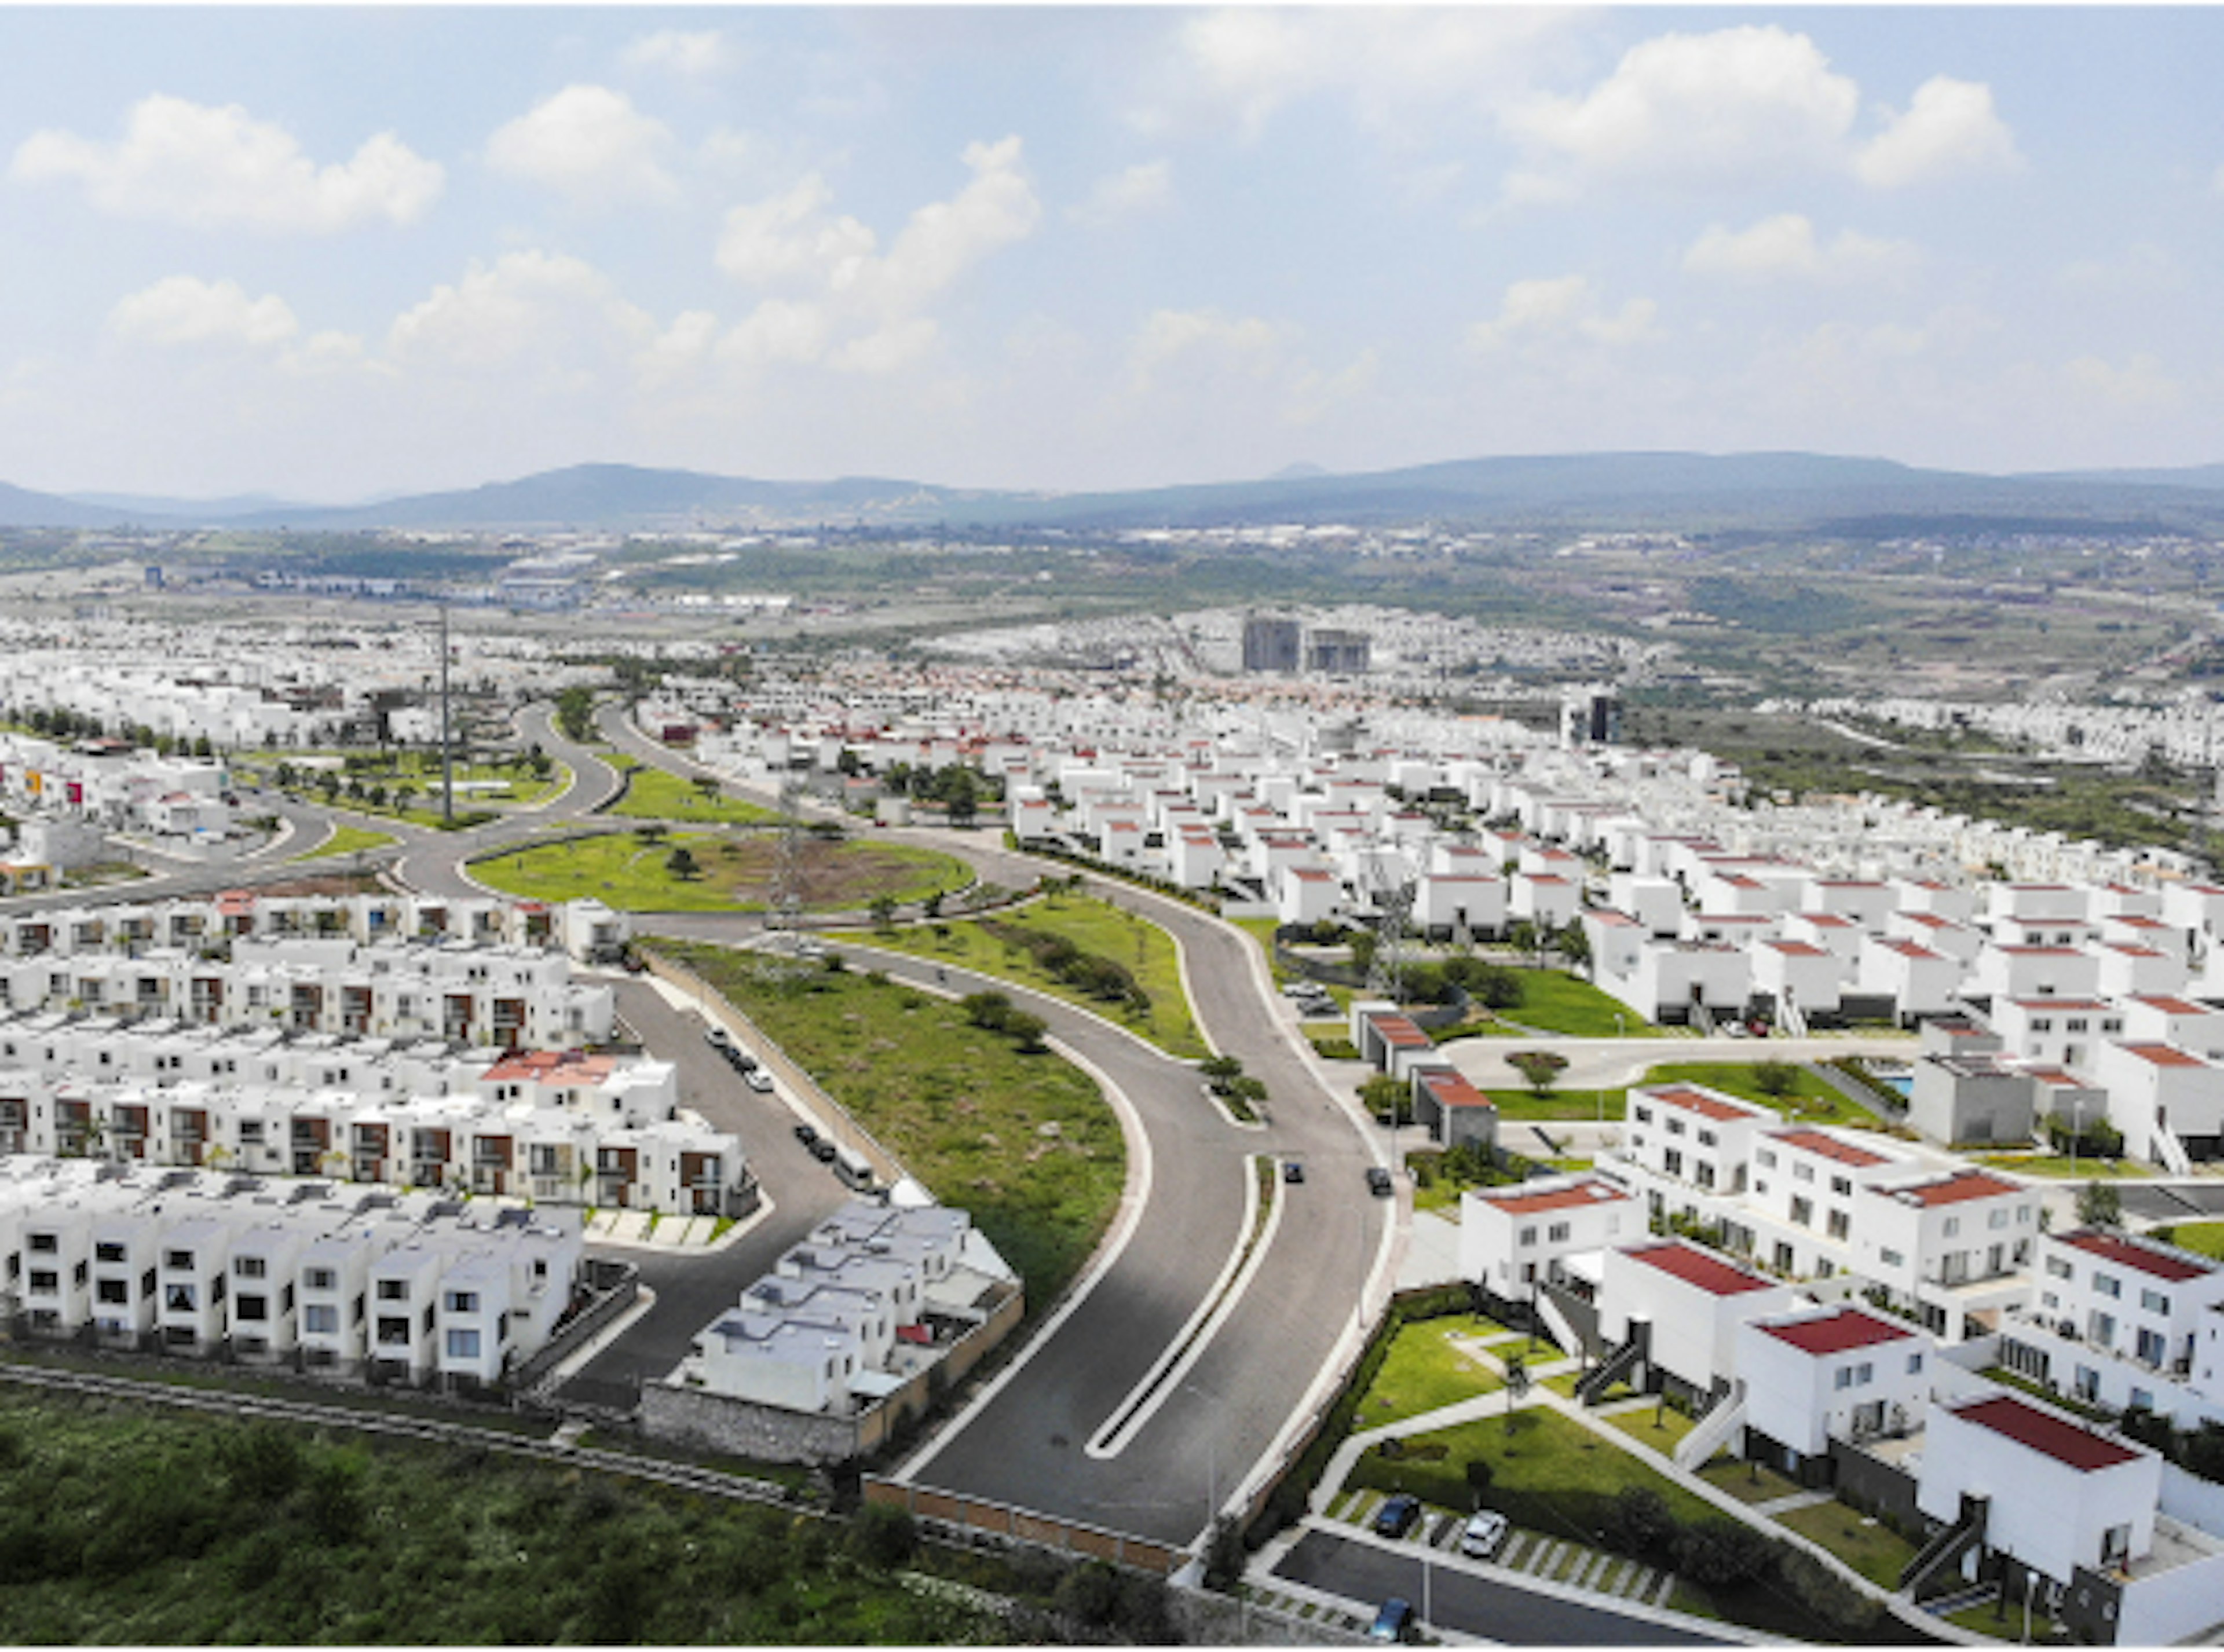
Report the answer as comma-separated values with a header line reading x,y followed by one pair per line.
x,y
330,254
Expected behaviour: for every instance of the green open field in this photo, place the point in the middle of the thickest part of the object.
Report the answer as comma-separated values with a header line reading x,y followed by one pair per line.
x,y
657,794
1425,1372
1026,1143
1147,951
139,1526
348,839
1548,1473
2205,1237
621,870
1554,1001
2084,1167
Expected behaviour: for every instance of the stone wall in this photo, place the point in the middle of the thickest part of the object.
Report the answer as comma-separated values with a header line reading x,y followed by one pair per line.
x,y
771,1433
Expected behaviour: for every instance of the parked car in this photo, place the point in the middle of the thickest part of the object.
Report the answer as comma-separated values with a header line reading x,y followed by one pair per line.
x,y
806,1133
1379,1182
1292,1172
1394,1622
824,1151
1396,1517
718,1039
758,1080
1484,1532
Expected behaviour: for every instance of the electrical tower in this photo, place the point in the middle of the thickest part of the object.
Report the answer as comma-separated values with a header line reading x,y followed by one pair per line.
x,y
781,956
1393,909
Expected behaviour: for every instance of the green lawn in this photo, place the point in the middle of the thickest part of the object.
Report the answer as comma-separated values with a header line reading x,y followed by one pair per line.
x,y
2058,1166
348,839
1025,1142
1811,1101
1987,1617
623,872
1656,1427
1141,947
2206,1238
1870,1548
1547,1473
1425,1372
657,794
1262,929
1555,1001
1747,1482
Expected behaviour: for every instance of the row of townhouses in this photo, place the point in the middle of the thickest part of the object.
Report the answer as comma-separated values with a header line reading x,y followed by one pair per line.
x,y
559,1127
587,930
402,1287
1839,1330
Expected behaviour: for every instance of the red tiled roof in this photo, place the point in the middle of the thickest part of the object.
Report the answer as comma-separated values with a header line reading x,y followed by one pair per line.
x,y
1848,1327
1814,1141
1797,948
2164,1054
2169,1005
1698,1101
1515,1202
1696,1267
2130,1253
2045,1433
567,1066
2058,1003
1958,1189
1909,949
1452,1090
1397,1029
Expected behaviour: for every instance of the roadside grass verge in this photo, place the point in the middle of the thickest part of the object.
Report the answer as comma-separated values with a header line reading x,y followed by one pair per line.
x,y
348,839
1147,951
1027,1143
626,872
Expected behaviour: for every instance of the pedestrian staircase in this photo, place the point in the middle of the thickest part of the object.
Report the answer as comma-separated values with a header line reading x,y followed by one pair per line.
x,y
1617,1365
2169,1152
1713,1431
1947,1546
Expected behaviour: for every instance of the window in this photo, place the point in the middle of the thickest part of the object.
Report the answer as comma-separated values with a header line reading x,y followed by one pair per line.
x,y
247,1267
1675,1126
2057,1267
1914,1365
1998,1218
1528,1236
1803,1172
254,1308
1766,1158
1803,1210
1891,1258
2042,1024
1847,1376
1558,1232
1706,1138
2103,1327
1837,1223
46,1281
394,1290
114,1291
108,1251
2075,1024
1843,1186
462,1345
461,1301
320,1318
320,1279
1953,1226
2154,1302
46,1244
2107,1284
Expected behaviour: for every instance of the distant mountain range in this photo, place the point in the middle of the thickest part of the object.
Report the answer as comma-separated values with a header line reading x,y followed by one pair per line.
x,y
1762,491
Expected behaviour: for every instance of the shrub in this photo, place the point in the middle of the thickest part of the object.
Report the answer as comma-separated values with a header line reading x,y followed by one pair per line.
x,y
882,1537
1722,1552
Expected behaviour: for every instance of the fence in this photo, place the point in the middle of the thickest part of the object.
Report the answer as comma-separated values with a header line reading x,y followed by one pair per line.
x,y
977,1518
617,1286
720,1011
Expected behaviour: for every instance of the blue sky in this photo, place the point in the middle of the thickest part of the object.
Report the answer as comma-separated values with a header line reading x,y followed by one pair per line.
x,y
329,253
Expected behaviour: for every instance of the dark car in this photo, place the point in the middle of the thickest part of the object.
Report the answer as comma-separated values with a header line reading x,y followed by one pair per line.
x,y
824,1151
1379,1182
806,1134
1396,1517
1394,1622
1292,1171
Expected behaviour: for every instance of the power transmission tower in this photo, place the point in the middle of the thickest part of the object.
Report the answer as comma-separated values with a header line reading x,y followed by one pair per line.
x,y
781,958
1394,908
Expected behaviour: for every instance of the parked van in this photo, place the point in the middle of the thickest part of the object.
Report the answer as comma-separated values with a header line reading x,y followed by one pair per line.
x,y
854,1168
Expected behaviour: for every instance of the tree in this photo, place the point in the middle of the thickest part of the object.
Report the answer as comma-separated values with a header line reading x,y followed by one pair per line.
x,y
1221,1071
575,709
706,787
1388,1099
680,863
1540,1068
883,909
1522,935
1775,1078
652,833
2099,1204
1573,943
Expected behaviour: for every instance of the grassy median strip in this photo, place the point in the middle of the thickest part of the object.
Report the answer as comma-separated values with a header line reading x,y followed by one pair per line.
x,y
1026,1143
1092,926
348,839
656,794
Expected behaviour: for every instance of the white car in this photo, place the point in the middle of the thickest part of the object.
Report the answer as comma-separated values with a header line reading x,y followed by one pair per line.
x,y
1483,1534
758,1080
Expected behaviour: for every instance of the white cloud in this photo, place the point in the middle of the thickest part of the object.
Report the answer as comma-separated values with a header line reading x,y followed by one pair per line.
x,y
1951,129
692,54
850,298
1245,344
1784,246
1133,189
185,310
210,167
588,143
1691,107
1550,309
789,237
1395,64
2142,268
524,306
2140,385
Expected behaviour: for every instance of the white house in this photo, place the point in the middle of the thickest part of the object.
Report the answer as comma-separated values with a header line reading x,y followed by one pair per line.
x,y
1839,1371
1511,1238
1691,1300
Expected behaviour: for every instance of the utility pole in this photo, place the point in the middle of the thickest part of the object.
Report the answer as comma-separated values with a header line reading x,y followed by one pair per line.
x,y
447,752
